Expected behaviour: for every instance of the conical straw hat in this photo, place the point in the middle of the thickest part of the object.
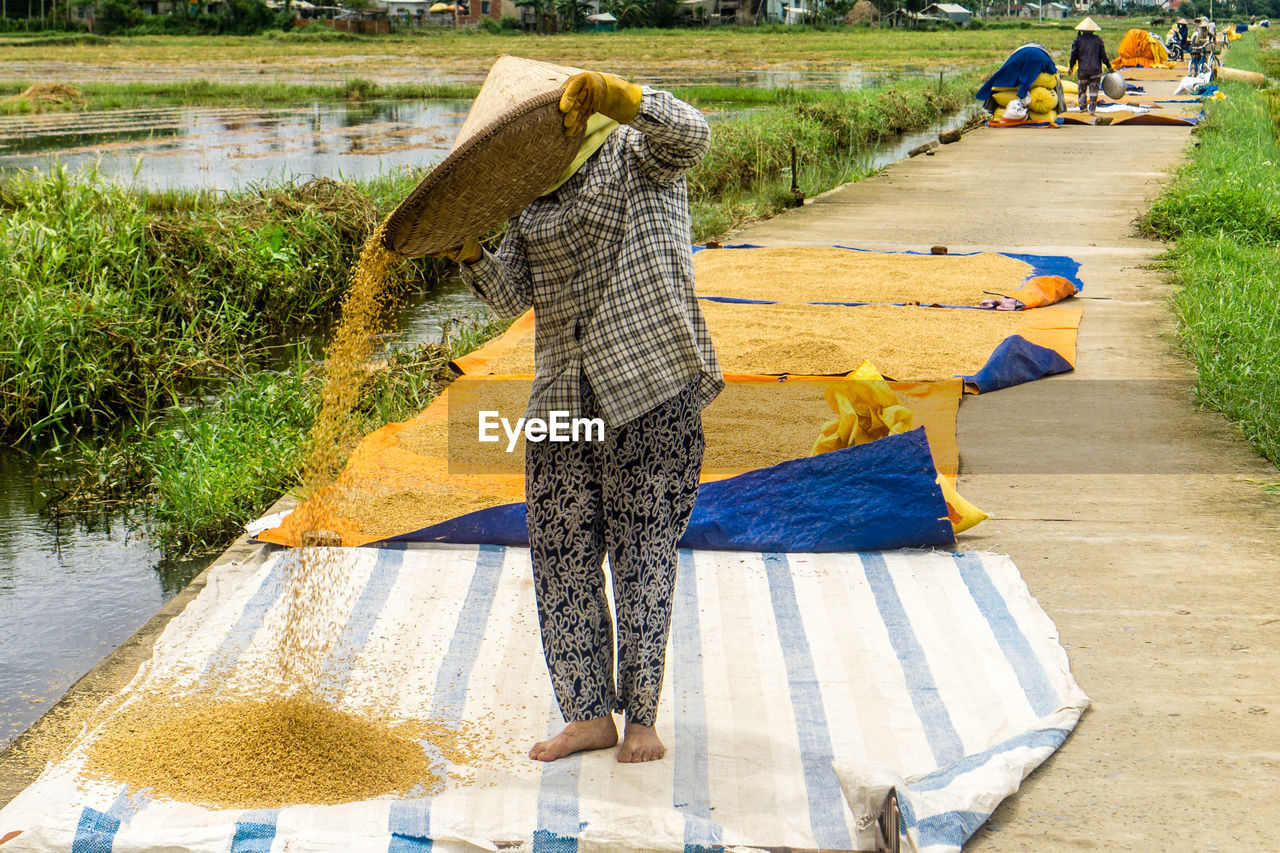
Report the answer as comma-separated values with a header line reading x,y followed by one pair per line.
x,y
1088,25
511,147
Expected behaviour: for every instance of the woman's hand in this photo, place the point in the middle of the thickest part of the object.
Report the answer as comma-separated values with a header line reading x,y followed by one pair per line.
x,y
591,92
468,253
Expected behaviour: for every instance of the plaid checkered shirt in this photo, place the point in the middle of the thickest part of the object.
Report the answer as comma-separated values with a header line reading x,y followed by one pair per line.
x,y
605,262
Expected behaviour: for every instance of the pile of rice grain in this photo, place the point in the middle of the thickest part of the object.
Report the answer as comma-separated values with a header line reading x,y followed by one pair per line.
x,y
381,514
245,754
754,425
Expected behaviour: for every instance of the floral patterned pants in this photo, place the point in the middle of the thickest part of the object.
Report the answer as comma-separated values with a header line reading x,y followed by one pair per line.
x,y
1087,94
628,497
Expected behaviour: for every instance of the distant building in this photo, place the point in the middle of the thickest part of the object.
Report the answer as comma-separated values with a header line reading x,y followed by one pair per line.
x,y
1055,10
952,12
902,18
601,22
435,12
783,11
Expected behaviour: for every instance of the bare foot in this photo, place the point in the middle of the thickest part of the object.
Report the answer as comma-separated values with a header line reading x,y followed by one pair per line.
x,y
600,733
640,743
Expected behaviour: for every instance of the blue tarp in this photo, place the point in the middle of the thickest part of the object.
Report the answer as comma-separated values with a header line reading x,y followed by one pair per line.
x,y
1014,361
1022,67
876,496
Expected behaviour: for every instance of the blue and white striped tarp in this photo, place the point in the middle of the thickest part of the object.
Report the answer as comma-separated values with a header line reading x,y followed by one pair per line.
x,y
798,688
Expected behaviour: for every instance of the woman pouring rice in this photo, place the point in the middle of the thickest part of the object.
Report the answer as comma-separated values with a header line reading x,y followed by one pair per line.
x,y
604,260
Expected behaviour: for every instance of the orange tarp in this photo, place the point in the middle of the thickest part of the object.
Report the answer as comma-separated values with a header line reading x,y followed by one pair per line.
x,y
1139,49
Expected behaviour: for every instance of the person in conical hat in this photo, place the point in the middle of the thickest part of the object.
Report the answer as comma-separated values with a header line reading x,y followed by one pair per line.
x,y
1088,59
605,262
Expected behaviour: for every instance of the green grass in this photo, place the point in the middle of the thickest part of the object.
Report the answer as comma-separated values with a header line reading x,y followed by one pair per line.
x,y
116,96
202,470
635,51
746,174
1222,214
120,303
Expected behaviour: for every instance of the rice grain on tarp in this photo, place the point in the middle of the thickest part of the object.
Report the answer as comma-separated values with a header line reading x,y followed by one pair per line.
x,y
904,343
845,275
266,753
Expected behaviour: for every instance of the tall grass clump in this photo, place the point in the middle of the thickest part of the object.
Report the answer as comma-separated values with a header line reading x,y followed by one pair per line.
x,y
1222,215
204,468
117,303
746,173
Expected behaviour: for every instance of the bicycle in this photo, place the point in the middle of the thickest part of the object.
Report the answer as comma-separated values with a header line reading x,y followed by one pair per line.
x,y
1199,61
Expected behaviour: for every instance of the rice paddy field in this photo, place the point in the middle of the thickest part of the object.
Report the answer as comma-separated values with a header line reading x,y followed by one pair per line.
x,y
723,56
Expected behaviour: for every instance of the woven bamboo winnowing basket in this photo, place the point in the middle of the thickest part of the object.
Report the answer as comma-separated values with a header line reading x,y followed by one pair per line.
x,y
510,149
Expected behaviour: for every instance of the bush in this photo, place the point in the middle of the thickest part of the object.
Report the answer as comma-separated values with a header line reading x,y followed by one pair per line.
x,y
120,302
359,89
113,16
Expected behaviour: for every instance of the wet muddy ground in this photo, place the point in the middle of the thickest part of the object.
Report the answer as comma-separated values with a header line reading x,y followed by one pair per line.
x,y
389,70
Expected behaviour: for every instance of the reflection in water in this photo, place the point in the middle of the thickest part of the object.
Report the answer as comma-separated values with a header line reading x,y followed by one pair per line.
x,y
223,148
69,594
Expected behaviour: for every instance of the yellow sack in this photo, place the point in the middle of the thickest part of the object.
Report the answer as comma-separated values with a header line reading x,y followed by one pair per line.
x,y
962,514
1013,89
998,114
1069,87
1003,97
1050,116
1042,100
1046,81
866,408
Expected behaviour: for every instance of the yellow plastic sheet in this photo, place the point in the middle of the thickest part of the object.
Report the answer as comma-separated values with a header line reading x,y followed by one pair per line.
x,y
866,409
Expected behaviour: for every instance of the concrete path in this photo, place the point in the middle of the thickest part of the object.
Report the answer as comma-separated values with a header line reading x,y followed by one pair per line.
x,y
1135,518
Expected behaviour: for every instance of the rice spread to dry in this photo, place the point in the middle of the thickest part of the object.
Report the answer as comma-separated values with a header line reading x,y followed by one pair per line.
x,y
904,343
843,275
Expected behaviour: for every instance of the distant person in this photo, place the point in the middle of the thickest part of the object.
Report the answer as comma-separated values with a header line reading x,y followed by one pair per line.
x,y
1201,45
1088,58
1177,38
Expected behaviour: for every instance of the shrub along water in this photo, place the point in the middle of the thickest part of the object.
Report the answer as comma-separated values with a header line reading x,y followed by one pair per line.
x,y
1222,213
118,302
746,174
